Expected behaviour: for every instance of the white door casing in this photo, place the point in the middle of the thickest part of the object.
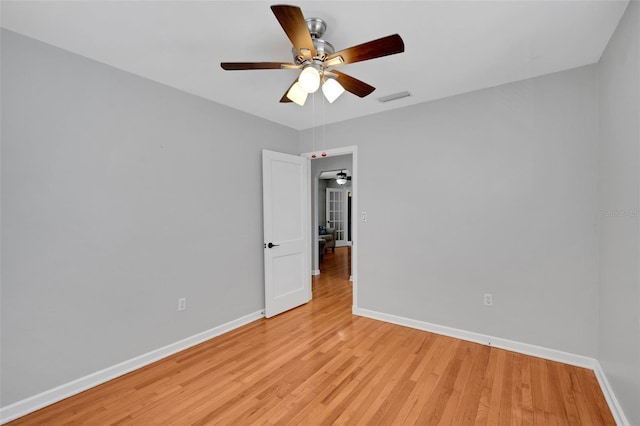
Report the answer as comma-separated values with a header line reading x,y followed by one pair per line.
x,y
286,231
353,150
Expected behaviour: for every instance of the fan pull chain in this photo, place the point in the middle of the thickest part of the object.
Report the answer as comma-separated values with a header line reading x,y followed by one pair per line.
x,y
313,122
324,139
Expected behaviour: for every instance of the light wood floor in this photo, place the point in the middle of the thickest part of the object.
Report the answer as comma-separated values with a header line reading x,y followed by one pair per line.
x,y
319,364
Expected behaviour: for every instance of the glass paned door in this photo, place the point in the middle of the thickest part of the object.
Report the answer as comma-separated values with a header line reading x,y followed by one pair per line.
x,y
337,213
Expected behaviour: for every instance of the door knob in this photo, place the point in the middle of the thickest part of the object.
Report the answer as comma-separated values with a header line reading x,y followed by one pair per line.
x,y
271,245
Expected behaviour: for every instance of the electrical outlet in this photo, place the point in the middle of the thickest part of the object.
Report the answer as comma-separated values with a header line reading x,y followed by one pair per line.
x,y
488,299
182,303
363,216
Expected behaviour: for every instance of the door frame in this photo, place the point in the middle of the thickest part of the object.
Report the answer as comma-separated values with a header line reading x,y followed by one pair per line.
x,y
353,150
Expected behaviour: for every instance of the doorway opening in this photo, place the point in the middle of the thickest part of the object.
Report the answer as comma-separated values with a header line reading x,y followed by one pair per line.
x,y
337,212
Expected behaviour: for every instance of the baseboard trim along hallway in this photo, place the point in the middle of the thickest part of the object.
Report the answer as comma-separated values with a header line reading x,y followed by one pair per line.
x,y
36,402
510,345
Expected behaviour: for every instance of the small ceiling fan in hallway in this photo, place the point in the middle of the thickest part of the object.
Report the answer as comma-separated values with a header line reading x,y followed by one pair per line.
x,y
317,58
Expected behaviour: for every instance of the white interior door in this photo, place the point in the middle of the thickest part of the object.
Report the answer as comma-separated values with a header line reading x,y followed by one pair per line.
x,y
336,214
287,268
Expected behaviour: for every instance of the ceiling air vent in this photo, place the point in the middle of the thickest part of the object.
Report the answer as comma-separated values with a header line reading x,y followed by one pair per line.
x,y
394,96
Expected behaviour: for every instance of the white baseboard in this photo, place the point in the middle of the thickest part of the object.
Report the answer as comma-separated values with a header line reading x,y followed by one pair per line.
x,y
614,404
31,404
315,272
510,345
36,402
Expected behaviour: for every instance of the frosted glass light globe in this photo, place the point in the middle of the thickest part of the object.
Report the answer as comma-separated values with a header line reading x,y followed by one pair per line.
x,y
297,94
332,89
309,79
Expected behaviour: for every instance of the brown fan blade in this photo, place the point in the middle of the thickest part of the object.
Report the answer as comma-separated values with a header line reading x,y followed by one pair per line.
x,y
238,66
353,85
284,98
293,24
384,46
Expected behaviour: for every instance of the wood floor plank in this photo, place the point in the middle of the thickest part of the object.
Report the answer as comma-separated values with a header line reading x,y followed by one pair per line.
x,y
505,397
484,404
467,410
494,414
527,397
320,365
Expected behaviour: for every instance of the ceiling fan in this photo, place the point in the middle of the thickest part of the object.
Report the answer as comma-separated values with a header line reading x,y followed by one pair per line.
x,y
342,178
317,58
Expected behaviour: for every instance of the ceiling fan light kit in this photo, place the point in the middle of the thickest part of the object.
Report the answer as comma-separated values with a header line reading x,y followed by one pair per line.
x,y
332,90
315,56
341,178
309,79
297,94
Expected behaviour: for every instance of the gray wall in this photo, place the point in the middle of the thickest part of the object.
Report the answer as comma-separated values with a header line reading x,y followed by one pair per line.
x,y
619,204
499,195
119,195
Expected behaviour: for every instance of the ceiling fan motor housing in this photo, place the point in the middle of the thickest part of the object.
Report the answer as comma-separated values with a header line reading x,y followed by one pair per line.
x,y
323,49
317,28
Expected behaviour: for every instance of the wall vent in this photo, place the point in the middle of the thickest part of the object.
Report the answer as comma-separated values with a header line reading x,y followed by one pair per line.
x,y
394,96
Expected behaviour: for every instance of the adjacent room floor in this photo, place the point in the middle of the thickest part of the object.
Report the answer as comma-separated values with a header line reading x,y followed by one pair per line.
x,y
319,364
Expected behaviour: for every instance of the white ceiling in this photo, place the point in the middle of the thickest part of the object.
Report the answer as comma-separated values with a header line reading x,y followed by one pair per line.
x,y
332,174
451,47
